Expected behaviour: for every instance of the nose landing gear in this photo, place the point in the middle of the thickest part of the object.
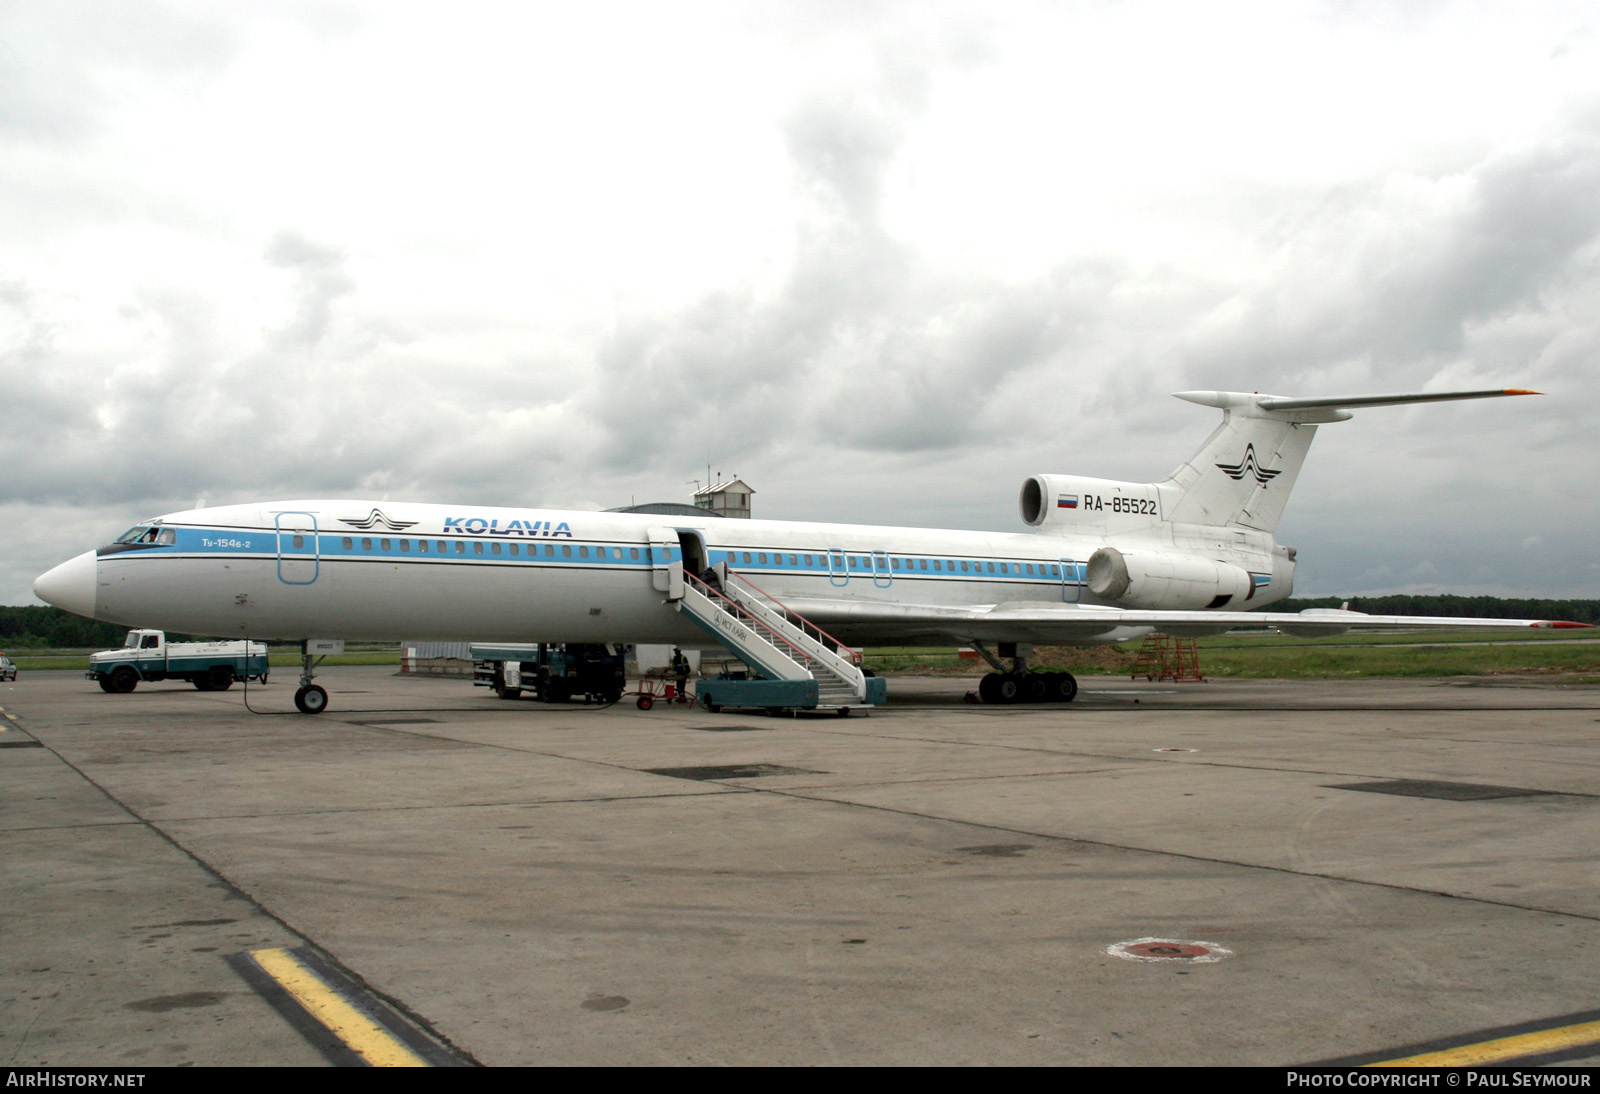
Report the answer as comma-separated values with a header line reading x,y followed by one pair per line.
x,y
311,698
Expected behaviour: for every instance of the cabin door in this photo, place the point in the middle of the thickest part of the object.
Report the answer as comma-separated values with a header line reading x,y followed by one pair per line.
x,y
1071,584
299,557
838,568
882,576
666,563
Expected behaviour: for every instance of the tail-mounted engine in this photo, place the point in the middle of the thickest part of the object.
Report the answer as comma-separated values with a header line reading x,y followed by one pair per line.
x,y
1072,503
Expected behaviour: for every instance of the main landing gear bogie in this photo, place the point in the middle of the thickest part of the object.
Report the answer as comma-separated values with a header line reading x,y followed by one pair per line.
x,y
1003,688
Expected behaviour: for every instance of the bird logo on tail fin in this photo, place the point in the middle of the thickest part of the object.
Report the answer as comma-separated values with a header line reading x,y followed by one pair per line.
x,y
1249,466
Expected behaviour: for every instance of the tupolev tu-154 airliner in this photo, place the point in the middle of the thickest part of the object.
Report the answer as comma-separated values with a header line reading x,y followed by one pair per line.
x,y
1106,562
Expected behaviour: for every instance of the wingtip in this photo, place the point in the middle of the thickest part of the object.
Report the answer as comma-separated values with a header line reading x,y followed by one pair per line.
x,y
1520,391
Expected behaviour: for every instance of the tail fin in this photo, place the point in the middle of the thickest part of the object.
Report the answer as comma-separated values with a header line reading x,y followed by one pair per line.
x,y
1244,471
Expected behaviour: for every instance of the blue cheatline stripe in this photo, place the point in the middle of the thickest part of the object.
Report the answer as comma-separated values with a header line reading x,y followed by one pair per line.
x,y
263,543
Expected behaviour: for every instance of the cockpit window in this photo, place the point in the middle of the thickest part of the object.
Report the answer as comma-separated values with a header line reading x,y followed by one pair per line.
x,y
149,534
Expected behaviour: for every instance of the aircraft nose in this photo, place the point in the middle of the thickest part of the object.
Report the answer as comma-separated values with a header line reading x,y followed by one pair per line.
x,y
71,586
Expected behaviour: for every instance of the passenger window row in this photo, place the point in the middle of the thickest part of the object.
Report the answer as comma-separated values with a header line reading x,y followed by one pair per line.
x,y
865,564
494,547
877,564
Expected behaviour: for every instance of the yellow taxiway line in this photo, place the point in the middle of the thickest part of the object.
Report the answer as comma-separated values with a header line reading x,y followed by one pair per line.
x,y
366,1038
1503,1048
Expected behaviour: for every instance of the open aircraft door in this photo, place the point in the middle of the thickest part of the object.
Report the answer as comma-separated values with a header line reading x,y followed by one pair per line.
x,y
666,562
692,545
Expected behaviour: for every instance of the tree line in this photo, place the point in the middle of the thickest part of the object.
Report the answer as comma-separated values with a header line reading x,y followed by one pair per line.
x,y
35,626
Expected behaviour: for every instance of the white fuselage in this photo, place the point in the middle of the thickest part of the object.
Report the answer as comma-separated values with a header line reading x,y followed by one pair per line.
x,y
385,571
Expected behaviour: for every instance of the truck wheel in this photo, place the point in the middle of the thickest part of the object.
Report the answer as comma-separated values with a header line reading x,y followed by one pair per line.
x,y
124,679
508,693
311,699
219,678
105,684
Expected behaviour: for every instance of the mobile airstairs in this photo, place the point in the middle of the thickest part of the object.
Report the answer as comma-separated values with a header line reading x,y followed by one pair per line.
x,y
794,664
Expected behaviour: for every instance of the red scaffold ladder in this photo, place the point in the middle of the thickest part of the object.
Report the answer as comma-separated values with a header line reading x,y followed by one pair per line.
x,y
1163,657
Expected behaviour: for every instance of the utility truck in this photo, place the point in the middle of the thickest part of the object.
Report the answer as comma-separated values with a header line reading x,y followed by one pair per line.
x,y
148,656
554,672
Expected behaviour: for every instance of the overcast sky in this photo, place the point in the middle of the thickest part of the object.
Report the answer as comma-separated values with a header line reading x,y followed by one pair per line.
x,y
882,260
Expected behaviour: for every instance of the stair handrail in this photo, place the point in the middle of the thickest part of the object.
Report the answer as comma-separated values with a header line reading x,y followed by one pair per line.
x,y
838,660
802,657
853,655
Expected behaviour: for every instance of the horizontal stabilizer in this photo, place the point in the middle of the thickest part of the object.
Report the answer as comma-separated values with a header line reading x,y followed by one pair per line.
x,y
1351,402
1225,399
1243,473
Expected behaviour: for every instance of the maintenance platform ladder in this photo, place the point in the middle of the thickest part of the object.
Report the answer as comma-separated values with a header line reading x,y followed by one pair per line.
x,y
779,644
1165,657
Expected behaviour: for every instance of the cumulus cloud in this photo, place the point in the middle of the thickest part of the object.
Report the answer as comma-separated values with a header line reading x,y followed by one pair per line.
x,y
64,63
569,288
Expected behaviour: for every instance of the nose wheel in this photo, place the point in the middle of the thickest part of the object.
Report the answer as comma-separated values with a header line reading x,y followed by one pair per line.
x,y
311,698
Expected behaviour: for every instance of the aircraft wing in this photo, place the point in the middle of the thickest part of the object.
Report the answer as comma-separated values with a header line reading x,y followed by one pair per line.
x,y
1049,622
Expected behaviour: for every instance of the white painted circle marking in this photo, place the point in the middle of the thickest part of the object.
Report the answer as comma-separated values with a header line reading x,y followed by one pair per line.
x,y
1188,951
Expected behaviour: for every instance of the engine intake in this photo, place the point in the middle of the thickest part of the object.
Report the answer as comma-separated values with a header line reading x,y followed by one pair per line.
x,y
1094,506
1167,582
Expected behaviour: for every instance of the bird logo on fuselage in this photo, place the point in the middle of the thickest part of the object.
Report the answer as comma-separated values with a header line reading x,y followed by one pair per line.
x,y
375,518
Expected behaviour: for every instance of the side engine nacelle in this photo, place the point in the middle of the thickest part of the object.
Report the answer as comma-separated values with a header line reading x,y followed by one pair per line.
x,y
1161,581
